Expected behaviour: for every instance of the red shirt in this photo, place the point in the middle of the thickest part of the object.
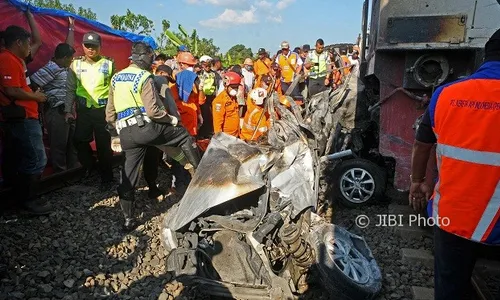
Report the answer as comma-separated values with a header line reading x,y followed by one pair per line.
x,y
12,74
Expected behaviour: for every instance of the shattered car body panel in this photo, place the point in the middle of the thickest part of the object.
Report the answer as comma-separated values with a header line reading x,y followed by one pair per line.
x,y
241,230
229,169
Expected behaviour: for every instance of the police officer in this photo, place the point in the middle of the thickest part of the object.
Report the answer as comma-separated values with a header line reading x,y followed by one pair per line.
x,y
137,119
319,64
88,83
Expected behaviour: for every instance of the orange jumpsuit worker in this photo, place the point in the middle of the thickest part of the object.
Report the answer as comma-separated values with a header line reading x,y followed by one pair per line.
x,y
225,108
255,122
187,95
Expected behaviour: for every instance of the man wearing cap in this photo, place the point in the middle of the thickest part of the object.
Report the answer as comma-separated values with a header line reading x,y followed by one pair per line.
x,y
354,59
319,65
52,79
462,118
290,64
217,66
211,85
137,119
262,65
248,75
88,83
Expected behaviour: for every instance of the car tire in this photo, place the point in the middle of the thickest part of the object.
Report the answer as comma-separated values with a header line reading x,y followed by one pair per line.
x,y
345,263
357,182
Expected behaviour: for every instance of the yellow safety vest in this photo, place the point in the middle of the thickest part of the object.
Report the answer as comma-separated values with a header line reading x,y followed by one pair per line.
x,y
93,80
288,65
127,88
319,62
208,83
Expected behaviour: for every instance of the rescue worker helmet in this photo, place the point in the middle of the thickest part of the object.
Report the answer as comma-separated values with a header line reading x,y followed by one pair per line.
x,y
205,58
187,58
258,95
232,78
285,45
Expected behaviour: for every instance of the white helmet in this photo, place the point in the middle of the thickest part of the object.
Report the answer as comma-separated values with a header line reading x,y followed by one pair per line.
x,y
258,95
205,58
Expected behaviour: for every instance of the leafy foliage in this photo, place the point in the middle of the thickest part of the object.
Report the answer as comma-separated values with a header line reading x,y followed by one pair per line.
x,y
56,4
131,22
237,54
169,40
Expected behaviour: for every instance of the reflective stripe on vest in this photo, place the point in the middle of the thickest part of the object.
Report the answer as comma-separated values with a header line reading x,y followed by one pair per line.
x,y
465,117
248,123
127,88
209,83
476,157
93,81
321,61
288,65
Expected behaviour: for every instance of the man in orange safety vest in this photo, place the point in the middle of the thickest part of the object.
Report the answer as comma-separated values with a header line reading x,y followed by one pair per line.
x,y
463,119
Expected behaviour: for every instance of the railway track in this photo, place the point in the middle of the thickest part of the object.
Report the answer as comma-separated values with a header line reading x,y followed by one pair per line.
x,y
489,261
56,181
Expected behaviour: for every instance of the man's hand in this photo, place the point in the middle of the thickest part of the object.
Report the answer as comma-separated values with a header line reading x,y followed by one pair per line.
x,y
174,121
40,96
327,82
71,22
420,193
115,144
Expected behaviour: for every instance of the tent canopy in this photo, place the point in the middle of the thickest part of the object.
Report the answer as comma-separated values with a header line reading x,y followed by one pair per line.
x,y
53,27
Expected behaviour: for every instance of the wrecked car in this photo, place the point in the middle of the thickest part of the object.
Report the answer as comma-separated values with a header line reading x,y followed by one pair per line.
x,y
246,228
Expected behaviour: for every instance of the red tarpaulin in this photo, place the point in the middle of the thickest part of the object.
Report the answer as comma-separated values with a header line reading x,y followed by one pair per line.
x,y
53,26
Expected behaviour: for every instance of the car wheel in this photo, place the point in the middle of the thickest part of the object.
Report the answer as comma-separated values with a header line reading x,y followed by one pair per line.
x,y
345,263
358,182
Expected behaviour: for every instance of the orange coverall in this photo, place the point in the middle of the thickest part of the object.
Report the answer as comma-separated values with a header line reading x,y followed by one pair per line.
x,y
251,122
225,113
188,111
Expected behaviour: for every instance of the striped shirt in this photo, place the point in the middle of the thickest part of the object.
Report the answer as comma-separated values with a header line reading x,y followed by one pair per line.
x,y
52,79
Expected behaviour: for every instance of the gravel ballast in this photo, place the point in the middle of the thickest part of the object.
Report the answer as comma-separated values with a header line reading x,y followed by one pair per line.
x,y
79,252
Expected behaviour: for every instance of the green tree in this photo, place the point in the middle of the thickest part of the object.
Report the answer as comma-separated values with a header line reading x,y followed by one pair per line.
x,y
237,54
169,40
131,22
56,4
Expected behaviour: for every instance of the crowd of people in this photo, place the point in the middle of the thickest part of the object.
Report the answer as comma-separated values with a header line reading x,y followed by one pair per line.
x,y
157,108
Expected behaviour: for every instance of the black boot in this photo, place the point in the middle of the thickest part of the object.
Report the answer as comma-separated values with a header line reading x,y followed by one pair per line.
x,y
192,153
154,192
27,189
127,203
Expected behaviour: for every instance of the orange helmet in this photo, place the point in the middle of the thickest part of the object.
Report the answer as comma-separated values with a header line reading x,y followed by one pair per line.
x,y
231,78
186,58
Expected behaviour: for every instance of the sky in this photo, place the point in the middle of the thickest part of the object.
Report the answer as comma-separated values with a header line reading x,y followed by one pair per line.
x,y
253,23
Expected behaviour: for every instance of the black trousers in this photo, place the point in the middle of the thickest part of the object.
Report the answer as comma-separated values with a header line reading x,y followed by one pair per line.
x,y
316,85
207,128
137,143
454,261
91,124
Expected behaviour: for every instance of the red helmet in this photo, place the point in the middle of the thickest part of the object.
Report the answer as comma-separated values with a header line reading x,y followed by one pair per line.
x,y
231,78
